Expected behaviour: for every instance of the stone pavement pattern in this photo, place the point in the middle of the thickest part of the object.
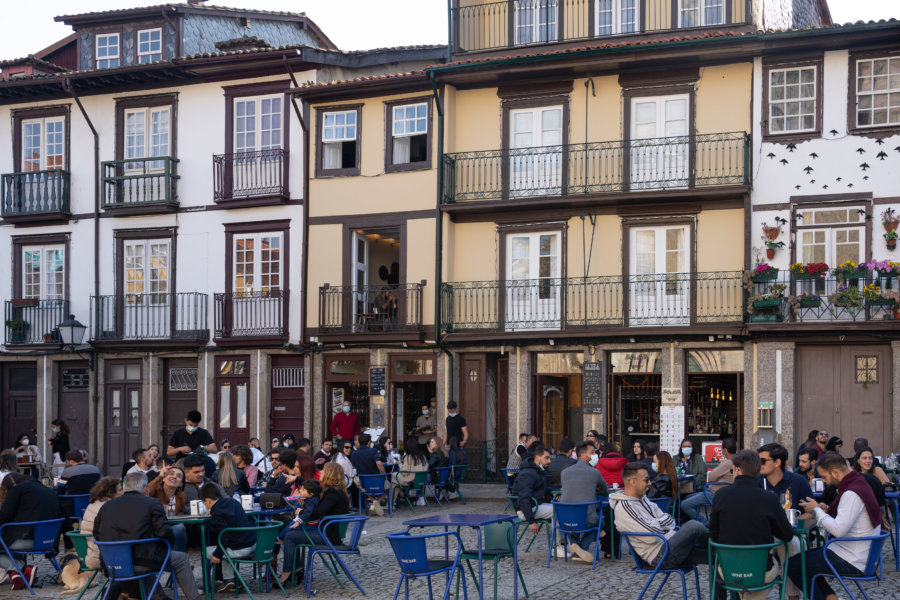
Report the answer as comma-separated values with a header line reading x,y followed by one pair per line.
x,y
377,570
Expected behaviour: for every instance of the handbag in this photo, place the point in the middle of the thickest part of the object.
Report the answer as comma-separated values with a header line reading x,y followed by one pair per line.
x,y
271,500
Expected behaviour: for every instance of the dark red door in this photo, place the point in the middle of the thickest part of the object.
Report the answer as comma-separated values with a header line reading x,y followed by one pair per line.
x,y
288,386
472,391
232,399
19,402
74,402
180,395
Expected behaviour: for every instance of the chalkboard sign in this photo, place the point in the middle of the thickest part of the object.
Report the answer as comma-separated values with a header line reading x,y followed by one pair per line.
x,y
593,387
377,381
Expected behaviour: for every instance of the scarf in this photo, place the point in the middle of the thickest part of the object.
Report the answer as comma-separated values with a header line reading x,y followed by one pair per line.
x,y
855,482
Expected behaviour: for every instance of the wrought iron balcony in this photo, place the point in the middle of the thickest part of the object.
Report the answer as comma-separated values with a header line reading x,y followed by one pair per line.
x,y
684,162
36,195
831,300
593,302
251,175
371,309
252,314
34,321
140,185
490,25
163,317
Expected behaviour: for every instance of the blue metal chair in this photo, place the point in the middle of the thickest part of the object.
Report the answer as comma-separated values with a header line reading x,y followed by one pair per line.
x,y
79,504
708,492
664,503
459,473
120,566
497,544
374,486
641,566
412,556
351,546
508,474
572,518
44,534
80,543
874,568
892,507
439,487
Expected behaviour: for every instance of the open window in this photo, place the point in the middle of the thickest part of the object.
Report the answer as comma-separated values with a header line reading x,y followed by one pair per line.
x,y
338,141
377,294
408,143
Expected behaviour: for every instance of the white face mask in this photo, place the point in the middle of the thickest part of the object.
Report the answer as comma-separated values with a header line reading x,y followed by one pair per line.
x,y
426,412
594,459
655,467
191,428
55,429
687,451
453,414
26,441
346,409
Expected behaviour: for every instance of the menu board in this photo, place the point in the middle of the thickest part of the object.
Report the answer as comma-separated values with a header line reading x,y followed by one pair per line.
x,y
593,387
377,381
671,428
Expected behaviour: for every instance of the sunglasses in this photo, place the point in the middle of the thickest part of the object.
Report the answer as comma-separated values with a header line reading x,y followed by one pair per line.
x,y
348,448
765,460
226,447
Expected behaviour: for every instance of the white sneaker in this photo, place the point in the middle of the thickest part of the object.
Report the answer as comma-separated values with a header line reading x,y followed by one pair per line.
x,y
582,554
561,551
420,501
377,507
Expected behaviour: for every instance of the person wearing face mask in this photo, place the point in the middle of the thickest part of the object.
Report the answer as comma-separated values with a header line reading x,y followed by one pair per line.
x,y
582,482
426,425
345,424
690,463
455,425
59,444
663,484
190,437
531,488
27,452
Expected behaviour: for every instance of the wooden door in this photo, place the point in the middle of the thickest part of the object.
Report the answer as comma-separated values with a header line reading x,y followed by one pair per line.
x,y
74,402
288,387
180,395
19,402
471,394
232,399
552,410
503,401
123,414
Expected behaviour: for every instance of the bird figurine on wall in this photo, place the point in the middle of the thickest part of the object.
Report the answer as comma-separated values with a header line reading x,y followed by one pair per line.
x,y
808,169
864,166
879,141
833,132
783,161
814,155
771,155
849,185
861,150
838,178
881,155
791,147
797,187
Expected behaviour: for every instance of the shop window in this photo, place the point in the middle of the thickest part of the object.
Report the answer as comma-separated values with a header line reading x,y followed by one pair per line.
x,y
559,362
866,369
413,367
715,361
348,367
636,362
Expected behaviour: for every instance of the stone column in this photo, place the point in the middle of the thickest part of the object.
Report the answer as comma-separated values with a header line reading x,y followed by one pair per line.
x,y
769,379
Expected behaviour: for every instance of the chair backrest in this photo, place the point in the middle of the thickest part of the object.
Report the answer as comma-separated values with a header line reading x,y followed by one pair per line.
x,y
572,516
708,490
498,536
443,474
459,473
80,543
507,474
354,527
743,565
419,480
410,551
266,536
46,533
373,484
79,503
663,502
639,562
117,556
874,558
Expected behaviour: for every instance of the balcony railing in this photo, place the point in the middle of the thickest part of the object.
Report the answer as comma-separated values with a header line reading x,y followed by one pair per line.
x,y
824,300
683,162
163,317
33,321
491,25
35,194
252,314
140,182
594,302
377,309
245,175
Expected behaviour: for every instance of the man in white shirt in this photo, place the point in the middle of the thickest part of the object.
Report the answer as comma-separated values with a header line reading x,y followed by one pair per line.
x,y
854,513
143,462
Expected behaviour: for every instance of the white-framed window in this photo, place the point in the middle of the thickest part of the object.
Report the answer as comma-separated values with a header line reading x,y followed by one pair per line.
x,y
409,133
831,235
699,13
616,16
146,274
258,123
43,272
107,51
149,43
878,91
257,263
146,141
339,139
533,270
792,100
43,144
536,21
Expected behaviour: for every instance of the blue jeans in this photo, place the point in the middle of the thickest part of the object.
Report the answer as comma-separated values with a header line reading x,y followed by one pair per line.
x,y
815,564
297,537
5,563
688,546
180,534
689,507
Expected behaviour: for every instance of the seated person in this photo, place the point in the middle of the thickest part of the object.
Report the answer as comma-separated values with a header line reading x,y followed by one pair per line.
x,y
225,512
665,485
367,461
283,476
310,491
560,462
229,476
195,479
414,459
243,460
436,459
79,476
26,500
104,490
531,487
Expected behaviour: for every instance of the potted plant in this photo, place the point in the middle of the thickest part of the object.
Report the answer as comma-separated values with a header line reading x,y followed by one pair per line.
x,y
887,270
848,297
850,272
17,330
763,272
890,239
52,336
889,219
771,247
771,233
809,301
874,297
809,270
767,307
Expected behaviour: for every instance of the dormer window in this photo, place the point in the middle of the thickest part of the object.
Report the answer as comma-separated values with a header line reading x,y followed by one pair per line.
x,y
149,42
107,50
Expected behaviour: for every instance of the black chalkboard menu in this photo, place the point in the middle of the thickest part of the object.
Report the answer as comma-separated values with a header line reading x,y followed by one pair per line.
x,y
377,381
593,387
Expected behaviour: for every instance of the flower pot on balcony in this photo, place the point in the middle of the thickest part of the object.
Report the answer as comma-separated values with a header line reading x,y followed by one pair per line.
x,y
763,318
773,303
881,302
891,225
806,276
809,303
770,253
769,275
891,244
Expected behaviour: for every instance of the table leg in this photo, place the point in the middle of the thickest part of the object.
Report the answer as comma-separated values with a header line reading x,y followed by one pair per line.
x,y
481,566
803,564
896,532
516,563
204,564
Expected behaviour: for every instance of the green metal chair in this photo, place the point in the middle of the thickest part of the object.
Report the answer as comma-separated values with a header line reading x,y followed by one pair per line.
x,y
420,479
743,568
342,531
541,523
266,535
80,543
459,475
497,542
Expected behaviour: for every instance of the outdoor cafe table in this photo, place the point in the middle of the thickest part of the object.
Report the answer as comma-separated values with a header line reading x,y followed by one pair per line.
x,y
476,522
801,530
200,520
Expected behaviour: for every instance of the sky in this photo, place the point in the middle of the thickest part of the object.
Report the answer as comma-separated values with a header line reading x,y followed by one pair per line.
x,y
401,22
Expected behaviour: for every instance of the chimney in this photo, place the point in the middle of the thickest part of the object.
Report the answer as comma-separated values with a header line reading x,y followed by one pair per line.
x,y
196,2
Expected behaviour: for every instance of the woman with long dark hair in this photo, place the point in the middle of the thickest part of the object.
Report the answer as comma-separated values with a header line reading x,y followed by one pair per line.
x,y
638,450
665,484
104,490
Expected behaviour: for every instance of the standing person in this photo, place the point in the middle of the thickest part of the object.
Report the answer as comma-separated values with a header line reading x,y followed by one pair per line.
x,y
581,482
690,463
345,424
135,516
324,454
854,513
190,437
743,514
426,425
229,476
225,513
243,460
59,444
455,425
531,487
722,473
610,464
635,513
518,453
103,491
775,478
26,500
560,462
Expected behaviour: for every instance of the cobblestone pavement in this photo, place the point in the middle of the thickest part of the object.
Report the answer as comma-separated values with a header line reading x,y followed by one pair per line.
x,y
378,573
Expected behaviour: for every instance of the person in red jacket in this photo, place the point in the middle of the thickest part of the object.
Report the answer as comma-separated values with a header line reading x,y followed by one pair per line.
x,y
345,424
611,464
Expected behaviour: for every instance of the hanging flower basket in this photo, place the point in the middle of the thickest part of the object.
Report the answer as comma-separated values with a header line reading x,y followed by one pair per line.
x,y
882,302
813,302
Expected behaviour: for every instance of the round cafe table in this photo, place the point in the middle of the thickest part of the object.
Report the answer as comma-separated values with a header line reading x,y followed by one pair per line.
x,y
202,521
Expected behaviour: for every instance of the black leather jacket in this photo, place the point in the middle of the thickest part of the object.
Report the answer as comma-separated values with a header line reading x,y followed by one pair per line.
x,y
134,516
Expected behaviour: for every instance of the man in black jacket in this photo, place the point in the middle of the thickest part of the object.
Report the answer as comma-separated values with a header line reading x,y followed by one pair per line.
x,y
224,513
744,514
560,462
283,474
134,516
531,486
27,501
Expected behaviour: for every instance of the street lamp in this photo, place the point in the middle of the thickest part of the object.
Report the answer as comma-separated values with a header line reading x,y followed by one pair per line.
x,y
71,331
